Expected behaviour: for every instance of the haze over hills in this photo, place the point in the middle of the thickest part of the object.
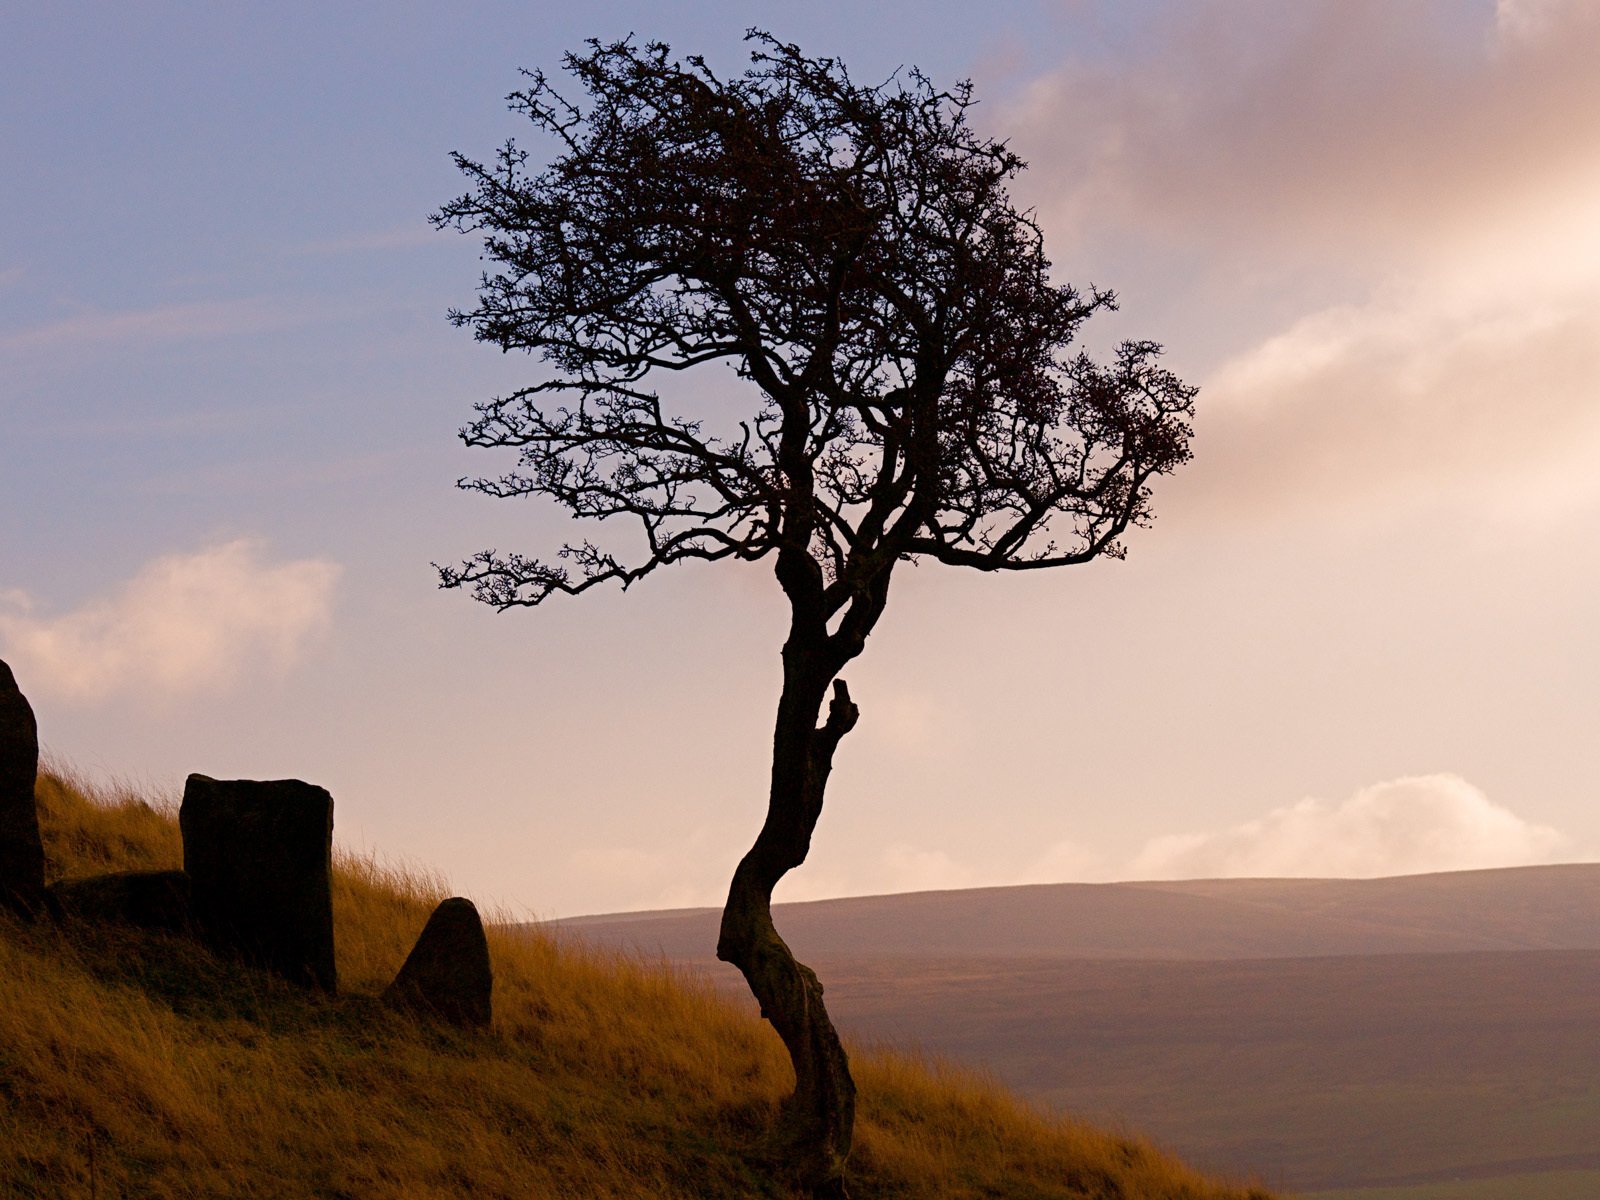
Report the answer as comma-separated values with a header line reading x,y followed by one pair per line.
x,y
1518,908
1316,1072
1326,1033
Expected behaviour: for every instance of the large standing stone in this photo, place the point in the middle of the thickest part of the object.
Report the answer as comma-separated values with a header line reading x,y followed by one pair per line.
x,y
259,855
447,975
21,852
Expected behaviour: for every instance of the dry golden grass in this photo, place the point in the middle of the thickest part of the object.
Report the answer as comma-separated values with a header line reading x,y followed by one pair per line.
x,y
136,1065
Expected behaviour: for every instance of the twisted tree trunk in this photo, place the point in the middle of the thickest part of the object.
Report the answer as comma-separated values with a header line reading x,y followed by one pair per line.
x,y
820,1115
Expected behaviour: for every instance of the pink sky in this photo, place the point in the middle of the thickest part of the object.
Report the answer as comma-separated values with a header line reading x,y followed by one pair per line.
x,y
1361,638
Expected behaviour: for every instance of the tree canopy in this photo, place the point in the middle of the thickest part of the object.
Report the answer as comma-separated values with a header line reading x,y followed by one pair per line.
x,y
851,251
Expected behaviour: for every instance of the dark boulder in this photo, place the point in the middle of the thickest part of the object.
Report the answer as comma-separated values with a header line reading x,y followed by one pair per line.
x,y
21,852
447,976
259,856
148,899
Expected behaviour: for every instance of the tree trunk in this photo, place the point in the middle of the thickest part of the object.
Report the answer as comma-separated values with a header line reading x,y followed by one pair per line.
x,y
819,1117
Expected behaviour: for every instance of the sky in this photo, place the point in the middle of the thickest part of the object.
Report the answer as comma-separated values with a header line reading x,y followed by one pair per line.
x,y
1360,638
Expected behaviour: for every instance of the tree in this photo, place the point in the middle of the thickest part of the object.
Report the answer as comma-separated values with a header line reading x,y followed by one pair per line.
x,y
852,253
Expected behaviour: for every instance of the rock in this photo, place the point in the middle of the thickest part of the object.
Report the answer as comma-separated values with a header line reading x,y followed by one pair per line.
x,y
259,856
148,899
447,975
21,852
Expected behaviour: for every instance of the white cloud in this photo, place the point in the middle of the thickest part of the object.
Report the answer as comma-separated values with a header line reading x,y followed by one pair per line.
x,y
185,623
1414,393
1407,826
1530,20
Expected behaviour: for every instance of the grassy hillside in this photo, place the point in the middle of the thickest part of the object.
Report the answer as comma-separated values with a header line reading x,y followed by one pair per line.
x,y
137,1065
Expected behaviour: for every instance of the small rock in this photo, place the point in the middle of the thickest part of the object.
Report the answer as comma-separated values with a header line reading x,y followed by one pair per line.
x,y
447,974
259,856
149,899
21,852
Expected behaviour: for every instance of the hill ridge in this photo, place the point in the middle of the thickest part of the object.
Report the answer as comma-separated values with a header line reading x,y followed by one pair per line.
x,y
1551,906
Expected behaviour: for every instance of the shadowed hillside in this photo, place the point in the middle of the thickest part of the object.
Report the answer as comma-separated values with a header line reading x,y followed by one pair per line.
x,y
135,1064
1346,1034
1320,1072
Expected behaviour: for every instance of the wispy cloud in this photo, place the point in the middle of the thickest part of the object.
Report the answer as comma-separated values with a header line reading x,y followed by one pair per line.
x,y
185,623
1413,393
1412,825
1529,20
200,320
663,875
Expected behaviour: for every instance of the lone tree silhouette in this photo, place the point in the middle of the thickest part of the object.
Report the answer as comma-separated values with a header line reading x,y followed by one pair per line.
x,y
852,253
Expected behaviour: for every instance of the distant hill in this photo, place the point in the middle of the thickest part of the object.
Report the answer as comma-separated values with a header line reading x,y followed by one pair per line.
x,y
1327,1033
1519,908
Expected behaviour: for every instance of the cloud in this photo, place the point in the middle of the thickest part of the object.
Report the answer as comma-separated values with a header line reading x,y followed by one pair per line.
x,y
1413,394
1437,170
1408,826
185,623
1531,20
167,322
1312,129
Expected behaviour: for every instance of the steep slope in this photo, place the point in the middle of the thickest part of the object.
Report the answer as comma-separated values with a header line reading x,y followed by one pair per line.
x,y
138,1065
